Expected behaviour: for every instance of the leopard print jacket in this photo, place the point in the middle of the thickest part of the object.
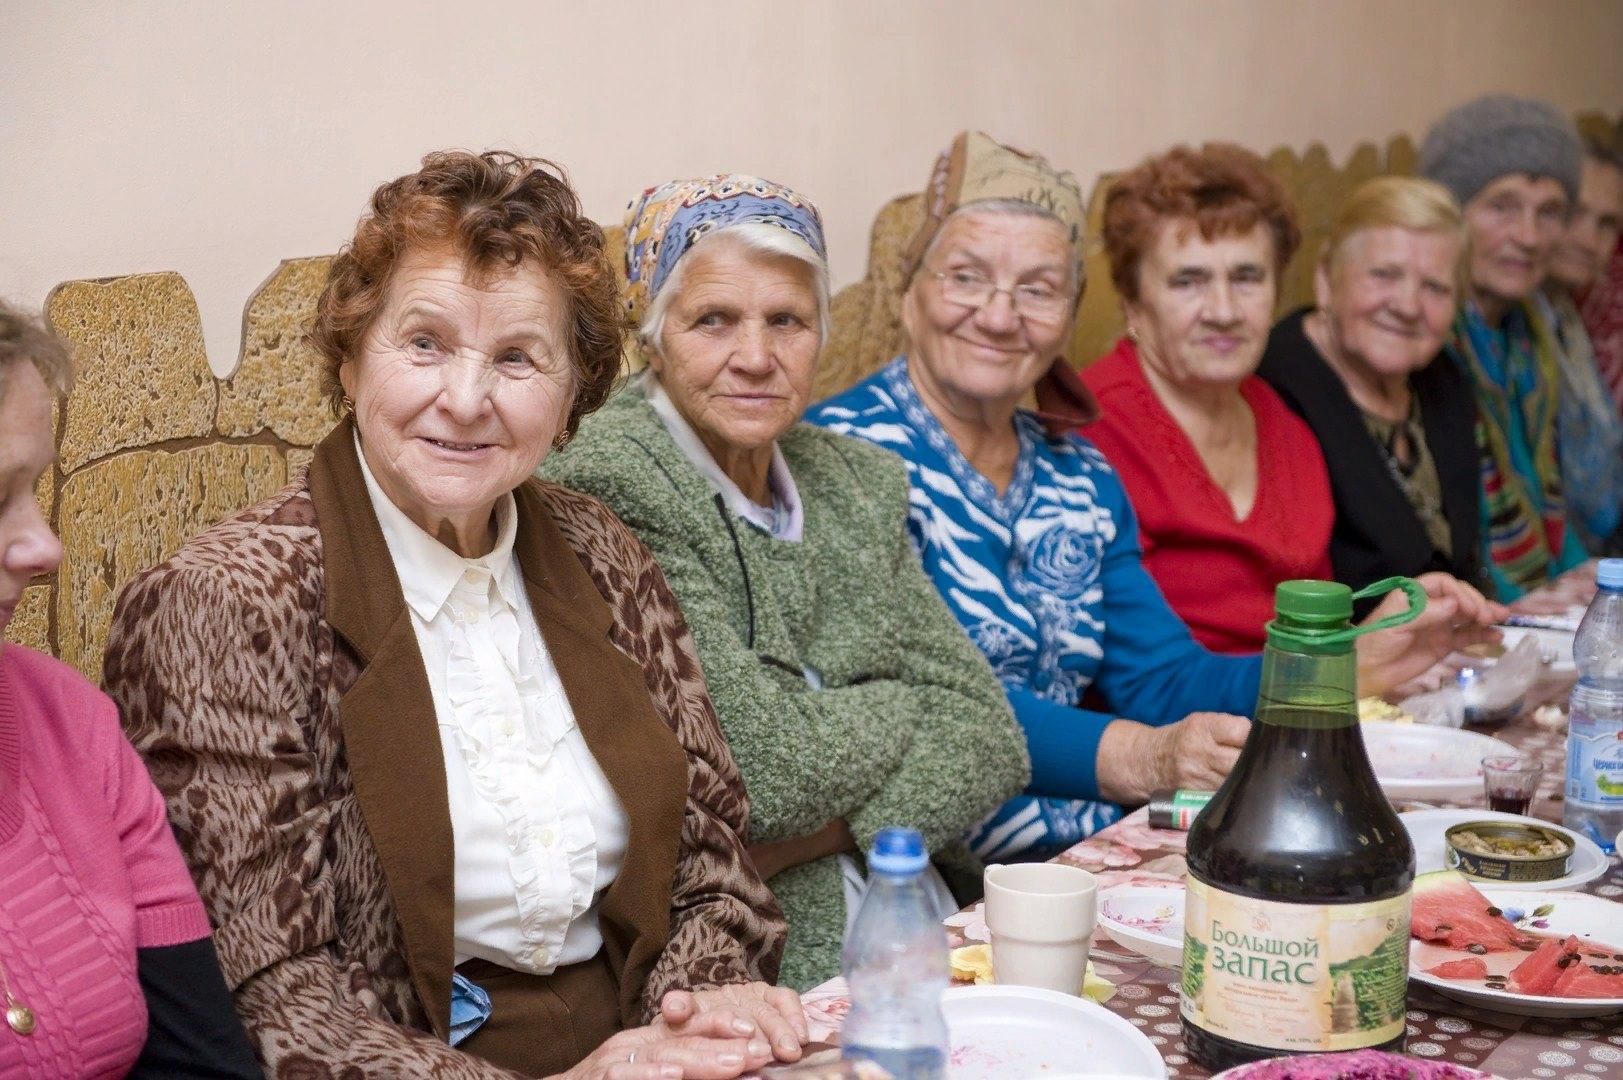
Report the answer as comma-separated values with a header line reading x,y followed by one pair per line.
x,y
229,678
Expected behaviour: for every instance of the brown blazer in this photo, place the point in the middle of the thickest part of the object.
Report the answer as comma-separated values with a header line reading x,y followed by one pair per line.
x,y
270,675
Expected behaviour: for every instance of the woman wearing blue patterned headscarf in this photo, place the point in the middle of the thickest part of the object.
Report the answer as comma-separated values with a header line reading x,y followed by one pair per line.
x,y
850,695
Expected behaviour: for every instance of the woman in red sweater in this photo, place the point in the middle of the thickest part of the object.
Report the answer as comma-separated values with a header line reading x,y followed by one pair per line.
x,y
1229,485
106,964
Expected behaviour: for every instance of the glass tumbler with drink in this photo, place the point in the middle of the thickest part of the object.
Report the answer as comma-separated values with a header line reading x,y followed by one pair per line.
x,y
1510,782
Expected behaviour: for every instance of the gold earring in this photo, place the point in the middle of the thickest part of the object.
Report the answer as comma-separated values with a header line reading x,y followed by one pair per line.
x,y
562,440
346,403
1132,333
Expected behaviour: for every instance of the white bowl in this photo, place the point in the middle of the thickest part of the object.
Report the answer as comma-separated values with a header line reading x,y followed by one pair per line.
x,y
1423,761
1147,919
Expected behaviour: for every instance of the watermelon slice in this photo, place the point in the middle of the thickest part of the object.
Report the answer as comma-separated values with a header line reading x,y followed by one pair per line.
x,y
1469,968
1587,979
1570,967
1537,974
1449,911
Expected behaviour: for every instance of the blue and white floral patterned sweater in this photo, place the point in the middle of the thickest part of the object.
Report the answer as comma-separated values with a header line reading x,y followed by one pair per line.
x,y
1049,582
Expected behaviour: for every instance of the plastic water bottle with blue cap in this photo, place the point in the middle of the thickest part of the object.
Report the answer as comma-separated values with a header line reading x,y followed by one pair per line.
x,y
1594,802
895,963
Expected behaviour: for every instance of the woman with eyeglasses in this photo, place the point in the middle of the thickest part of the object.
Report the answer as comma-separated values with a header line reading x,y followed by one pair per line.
x,y
1023,524
849,695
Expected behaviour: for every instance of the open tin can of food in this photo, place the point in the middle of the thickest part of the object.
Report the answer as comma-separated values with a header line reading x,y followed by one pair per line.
x,y
1508,851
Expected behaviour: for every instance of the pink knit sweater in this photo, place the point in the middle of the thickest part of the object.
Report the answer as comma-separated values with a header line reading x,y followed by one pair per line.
x,y
89,872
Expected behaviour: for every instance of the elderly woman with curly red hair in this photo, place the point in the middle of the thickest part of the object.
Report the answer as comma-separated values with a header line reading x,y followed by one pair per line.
x,y
1230,486
432,733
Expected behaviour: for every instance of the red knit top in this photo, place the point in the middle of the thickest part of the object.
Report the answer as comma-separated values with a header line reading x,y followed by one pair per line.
x,y
1217,572
89,872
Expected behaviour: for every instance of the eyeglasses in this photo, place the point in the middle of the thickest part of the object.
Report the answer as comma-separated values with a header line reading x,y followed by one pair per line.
x,y
1034,300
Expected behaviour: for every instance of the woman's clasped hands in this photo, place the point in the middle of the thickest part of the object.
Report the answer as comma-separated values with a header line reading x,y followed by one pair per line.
x,y
705,1035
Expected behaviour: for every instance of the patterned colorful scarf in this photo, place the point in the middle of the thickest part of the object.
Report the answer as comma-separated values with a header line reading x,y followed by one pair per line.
x,y
1523,509
977,167
664,222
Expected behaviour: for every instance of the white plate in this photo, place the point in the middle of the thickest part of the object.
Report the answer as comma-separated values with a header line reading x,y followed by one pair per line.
x,y
1423,761
1554,643
1020,1032
1148,919
1571,913
1426,828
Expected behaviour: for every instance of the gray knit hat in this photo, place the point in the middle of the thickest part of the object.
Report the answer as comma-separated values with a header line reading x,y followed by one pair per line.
x,y
1482,140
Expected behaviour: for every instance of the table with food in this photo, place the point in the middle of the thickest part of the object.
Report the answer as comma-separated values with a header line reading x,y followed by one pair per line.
x,y
1278,919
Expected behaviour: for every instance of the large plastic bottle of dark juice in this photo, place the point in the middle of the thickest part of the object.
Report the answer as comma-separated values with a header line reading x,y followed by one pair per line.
x,y
1296,923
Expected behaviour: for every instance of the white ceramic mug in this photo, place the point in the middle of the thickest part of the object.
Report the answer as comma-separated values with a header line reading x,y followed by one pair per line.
x,y
1041,916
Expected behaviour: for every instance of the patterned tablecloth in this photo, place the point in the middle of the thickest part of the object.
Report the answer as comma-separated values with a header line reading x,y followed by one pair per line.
x,y
1514,1047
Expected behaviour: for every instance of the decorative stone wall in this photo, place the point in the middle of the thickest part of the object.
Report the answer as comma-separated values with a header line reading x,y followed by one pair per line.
x,y
143,375
124,514
152,448
31,622
277,384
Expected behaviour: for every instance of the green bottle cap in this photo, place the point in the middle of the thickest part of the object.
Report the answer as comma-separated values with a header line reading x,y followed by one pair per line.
x,y
1322,605
1316,616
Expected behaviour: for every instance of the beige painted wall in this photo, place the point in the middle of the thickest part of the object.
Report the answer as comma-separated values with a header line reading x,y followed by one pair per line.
x,y
215,138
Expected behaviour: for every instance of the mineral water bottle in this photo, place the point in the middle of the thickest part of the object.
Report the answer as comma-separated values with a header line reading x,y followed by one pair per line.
x,y
895,962
1594,803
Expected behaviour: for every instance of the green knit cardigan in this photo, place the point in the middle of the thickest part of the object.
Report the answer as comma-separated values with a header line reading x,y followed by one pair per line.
x,y
910,727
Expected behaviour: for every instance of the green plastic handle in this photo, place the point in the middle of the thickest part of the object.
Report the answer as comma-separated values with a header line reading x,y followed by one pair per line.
x,y
1415,591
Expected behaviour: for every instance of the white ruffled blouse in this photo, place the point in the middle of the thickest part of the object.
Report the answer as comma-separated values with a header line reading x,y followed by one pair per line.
x,y
539,833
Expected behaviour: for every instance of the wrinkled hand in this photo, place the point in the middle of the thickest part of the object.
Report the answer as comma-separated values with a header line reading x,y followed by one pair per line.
x,y
718,1045
773,1010
1456,616
1197,752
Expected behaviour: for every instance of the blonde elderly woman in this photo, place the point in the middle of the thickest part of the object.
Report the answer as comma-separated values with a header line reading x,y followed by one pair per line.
x,y
1364,369
850,696
1025,527
432,733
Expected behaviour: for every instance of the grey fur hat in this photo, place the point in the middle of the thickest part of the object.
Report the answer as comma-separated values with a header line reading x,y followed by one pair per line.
x,y
1476,143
